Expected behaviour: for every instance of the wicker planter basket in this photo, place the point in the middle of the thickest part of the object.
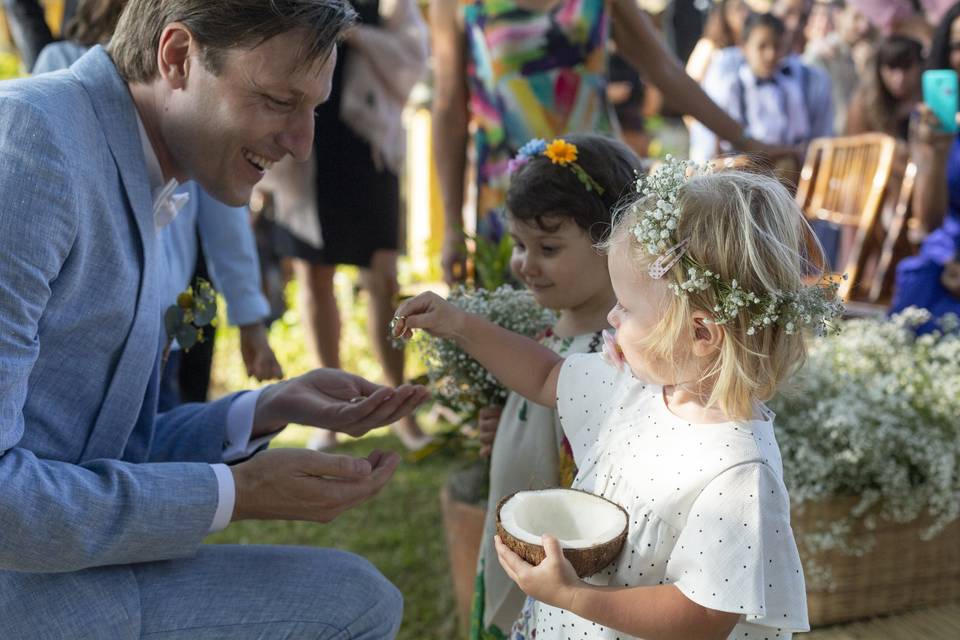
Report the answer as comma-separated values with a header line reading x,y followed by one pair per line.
x,y
900,572
463,524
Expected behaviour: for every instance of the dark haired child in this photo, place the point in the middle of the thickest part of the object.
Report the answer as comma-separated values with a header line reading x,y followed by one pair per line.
x,y
559,205
776,97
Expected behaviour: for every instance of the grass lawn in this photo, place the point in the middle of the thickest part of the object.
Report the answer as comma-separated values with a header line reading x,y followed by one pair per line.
x,y
400,530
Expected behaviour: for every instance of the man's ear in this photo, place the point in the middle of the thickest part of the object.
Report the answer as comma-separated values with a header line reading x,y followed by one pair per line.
x,y
707,335
173,54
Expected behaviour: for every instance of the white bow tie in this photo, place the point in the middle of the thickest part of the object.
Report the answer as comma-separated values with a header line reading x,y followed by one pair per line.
x,y
167,204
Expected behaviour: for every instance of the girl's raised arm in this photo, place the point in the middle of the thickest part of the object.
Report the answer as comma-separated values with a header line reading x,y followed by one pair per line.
x,y
519,363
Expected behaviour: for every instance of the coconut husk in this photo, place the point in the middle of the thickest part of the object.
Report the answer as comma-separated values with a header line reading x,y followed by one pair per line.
x,y
586,561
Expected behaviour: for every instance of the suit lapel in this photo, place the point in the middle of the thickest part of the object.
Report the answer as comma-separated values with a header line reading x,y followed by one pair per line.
x,y
114,108
117,117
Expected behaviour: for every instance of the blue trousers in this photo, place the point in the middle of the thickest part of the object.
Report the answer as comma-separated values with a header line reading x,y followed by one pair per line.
x,y
225,591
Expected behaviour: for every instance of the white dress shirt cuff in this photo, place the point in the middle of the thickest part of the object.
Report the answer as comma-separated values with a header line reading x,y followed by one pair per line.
x,y
227,496
237,444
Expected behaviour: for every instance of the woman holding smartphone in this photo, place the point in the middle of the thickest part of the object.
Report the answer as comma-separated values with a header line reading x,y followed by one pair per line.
x,y
931,279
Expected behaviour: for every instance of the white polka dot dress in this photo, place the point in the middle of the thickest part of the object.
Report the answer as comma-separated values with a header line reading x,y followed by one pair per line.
x,y
708,510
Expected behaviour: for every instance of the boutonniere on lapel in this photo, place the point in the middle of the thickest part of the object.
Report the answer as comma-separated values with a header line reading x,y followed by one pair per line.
x,y
184,321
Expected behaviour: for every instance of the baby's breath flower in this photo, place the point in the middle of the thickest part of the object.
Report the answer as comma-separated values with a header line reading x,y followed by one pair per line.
x,y
816,308
873,414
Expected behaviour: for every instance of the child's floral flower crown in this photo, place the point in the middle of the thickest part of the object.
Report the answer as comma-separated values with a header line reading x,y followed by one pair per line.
x,y
560,152
816,306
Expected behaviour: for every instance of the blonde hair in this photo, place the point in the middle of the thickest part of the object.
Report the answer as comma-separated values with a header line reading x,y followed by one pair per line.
x,y
745,227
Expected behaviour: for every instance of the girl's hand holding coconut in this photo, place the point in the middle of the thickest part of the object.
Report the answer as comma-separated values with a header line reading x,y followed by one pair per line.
x,y
665,609
553,581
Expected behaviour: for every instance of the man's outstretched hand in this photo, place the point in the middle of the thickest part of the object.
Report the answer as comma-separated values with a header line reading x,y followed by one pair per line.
x,y
300,484
336,400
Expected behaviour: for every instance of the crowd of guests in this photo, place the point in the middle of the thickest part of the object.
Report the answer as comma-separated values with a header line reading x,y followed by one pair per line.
x,y
807,69
775,74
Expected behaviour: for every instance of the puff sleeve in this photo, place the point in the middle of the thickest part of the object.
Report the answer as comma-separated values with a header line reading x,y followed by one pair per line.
x,y
737,552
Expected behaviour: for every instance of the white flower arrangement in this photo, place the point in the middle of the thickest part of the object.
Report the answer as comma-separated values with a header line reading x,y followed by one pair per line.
x,y
458,381
875,414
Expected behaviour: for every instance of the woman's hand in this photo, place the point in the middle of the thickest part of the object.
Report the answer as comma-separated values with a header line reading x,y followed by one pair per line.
x,y
929,149
453,257
554,581
950,278
429,312
925,130
258,356
487,424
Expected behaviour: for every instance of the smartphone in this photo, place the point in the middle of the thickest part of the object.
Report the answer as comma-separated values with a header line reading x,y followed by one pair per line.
x,y
940,94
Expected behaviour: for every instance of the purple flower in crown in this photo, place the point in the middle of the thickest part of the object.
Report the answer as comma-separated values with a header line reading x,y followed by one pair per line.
x,y
515,163
530,150
533,148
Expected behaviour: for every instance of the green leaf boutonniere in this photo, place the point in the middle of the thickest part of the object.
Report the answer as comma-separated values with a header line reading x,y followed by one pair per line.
x,y
184,321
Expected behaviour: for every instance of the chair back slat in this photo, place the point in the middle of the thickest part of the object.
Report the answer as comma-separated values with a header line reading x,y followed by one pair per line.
x,y
896,242
844,182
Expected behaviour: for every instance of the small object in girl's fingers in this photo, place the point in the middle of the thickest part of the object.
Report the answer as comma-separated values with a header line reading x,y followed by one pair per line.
x,y
398,326
357,399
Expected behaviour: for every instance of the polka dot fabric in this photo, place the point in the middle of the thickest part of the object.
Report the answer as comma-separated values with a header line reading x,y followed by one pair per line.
x,y
708,509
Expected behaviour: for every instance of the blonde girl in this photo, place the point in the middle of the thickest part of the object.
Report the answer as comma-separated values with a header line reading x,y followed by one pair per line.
x,y
707,271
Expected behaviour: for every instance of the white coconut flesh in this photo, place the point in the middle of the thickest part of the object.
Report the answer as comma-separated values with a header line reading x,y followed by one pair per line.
x,y
578,520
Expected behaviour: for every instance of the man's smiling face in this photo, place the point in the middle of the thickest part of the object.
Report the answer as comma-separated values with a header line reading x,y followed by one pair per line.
x,y
225,130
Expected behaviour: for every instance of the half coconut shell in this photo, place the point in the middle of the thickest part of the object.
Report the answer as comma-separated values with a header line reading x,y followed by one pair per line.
x,y
590,528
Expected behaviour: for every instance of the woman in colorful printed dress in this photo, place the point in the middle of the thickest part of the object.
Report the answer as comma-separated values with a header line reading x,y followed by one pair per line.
x,y
522,69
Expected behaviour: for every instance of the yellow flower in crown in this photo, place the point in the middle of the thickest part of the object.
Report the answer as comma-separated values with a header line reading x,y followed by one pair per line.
x,y
561,152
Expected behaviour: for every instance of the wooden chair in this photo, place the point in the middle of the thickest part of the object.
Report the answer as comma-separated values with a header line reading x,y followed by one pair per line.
x,y
897,243
845,181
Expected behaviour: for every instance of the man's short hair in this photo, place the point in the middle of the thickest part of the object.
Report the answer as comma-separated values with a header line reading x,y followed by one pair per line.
x,y
757,20
220,25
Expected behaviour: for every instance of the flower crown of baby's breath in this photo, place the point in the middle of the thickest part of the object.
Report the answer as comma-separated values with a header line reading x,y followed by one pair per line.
x,y
658,215
559,152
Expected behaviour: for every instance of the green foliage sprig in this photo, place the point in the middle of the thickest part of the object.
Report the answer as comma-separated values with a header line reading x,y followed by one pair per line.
x,y
196,308
491,261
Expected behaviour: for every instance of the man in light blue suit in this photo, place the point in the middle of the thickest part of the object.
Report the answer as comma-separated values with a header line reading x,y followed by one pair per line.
x,y
103,503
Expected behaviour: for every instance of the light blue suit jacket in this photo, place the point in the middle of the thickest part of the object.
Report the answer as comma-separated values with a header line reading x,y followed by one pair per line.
x,y
89,475
225,233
